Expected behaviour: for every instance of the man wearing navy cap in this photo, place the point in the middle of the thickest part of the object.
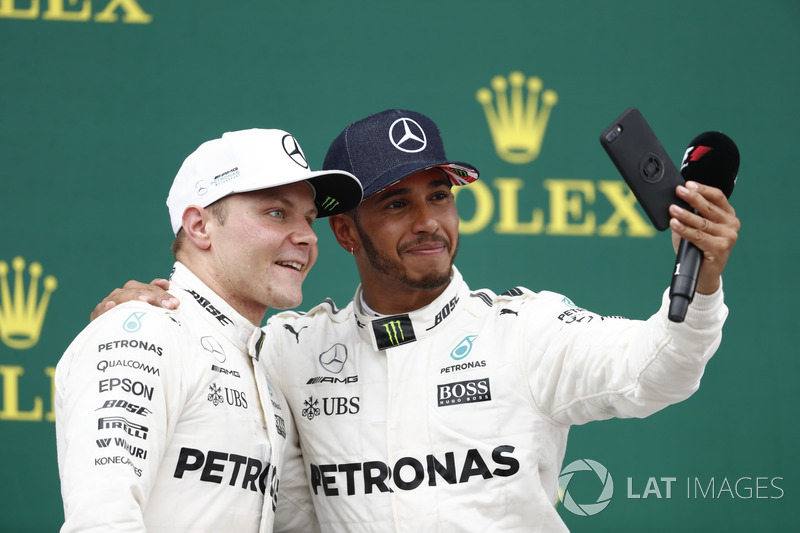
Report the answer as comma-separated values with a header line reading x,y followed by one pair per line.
x,y
425,405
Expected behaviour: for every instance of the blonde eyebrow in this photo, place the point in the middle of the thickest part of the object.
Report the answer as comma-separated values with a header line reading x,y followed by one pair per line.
x,y
288,203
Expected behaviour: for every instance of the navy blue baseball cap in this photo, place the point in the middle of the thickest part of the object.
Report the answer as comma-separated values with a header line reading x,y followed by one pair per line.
x,y
386,147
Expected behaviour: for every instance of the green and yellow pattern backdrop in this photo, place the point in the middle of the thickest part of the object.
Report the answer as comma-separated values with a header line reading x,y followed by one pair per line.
x,y
101,100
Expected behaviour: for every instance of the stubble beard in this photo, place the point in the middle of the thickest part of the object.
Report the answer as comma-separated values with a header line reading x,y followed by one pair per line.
x,y
395,269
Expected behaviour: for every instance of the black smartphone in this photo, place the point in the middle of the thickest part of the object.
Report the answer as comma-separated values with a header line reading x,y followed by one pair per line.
x,y
644,164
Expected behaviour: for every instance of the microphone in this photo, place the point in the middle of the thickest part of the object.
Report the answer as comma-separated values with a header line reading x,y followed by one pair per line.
x,y
712,158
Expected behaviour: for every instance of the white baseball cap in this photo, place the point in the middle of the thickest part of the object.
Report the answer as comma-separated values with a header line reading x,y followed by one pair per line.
x,y
251,160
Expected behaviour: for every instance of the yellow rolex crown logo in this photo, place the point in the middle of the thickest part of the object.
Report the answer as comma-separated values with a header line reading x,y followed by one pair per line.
x,y
517,120
21,317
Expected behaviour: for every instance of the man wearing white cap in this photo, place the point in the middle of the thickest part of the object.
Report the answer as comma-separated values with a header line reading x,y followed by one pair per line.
x,y
164,420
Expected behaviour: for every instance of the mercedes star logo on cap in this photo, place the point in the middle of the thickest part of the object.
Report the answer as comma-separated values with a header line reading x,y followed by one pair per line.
x,y
293,150
406,135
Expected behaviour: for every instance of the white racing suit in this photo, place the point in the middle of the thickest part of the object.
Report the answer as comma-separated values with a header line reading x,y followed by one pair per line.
x,y
455,417
160,425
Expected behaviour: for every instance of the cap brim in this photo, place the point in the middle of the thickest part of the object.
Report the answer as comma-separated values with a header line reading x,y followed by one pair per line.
x,y
459,173
335,191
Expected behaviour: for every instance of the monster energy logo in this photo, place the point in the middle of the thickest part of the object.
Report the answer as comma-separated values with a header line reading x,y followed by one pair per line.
x,y
393,331
330,203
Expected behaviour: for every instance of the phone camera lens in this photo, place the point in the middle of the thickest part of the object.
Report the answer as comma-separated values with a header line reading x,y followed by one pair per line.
x,y
614,133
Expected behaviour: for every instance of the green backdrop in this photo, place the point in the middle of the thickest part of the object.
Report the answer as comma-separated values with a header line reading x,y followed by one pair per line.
x,y
100,101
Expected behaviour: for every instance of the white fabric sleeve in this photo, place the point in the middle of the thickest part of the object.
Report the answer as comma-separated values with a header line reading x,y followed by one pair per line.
x,y
115,397
585,367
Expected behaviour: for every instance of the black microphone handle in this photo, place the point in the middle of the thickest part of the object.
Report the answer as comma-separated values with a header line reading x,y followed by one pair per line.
x,y
712,159
684,279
